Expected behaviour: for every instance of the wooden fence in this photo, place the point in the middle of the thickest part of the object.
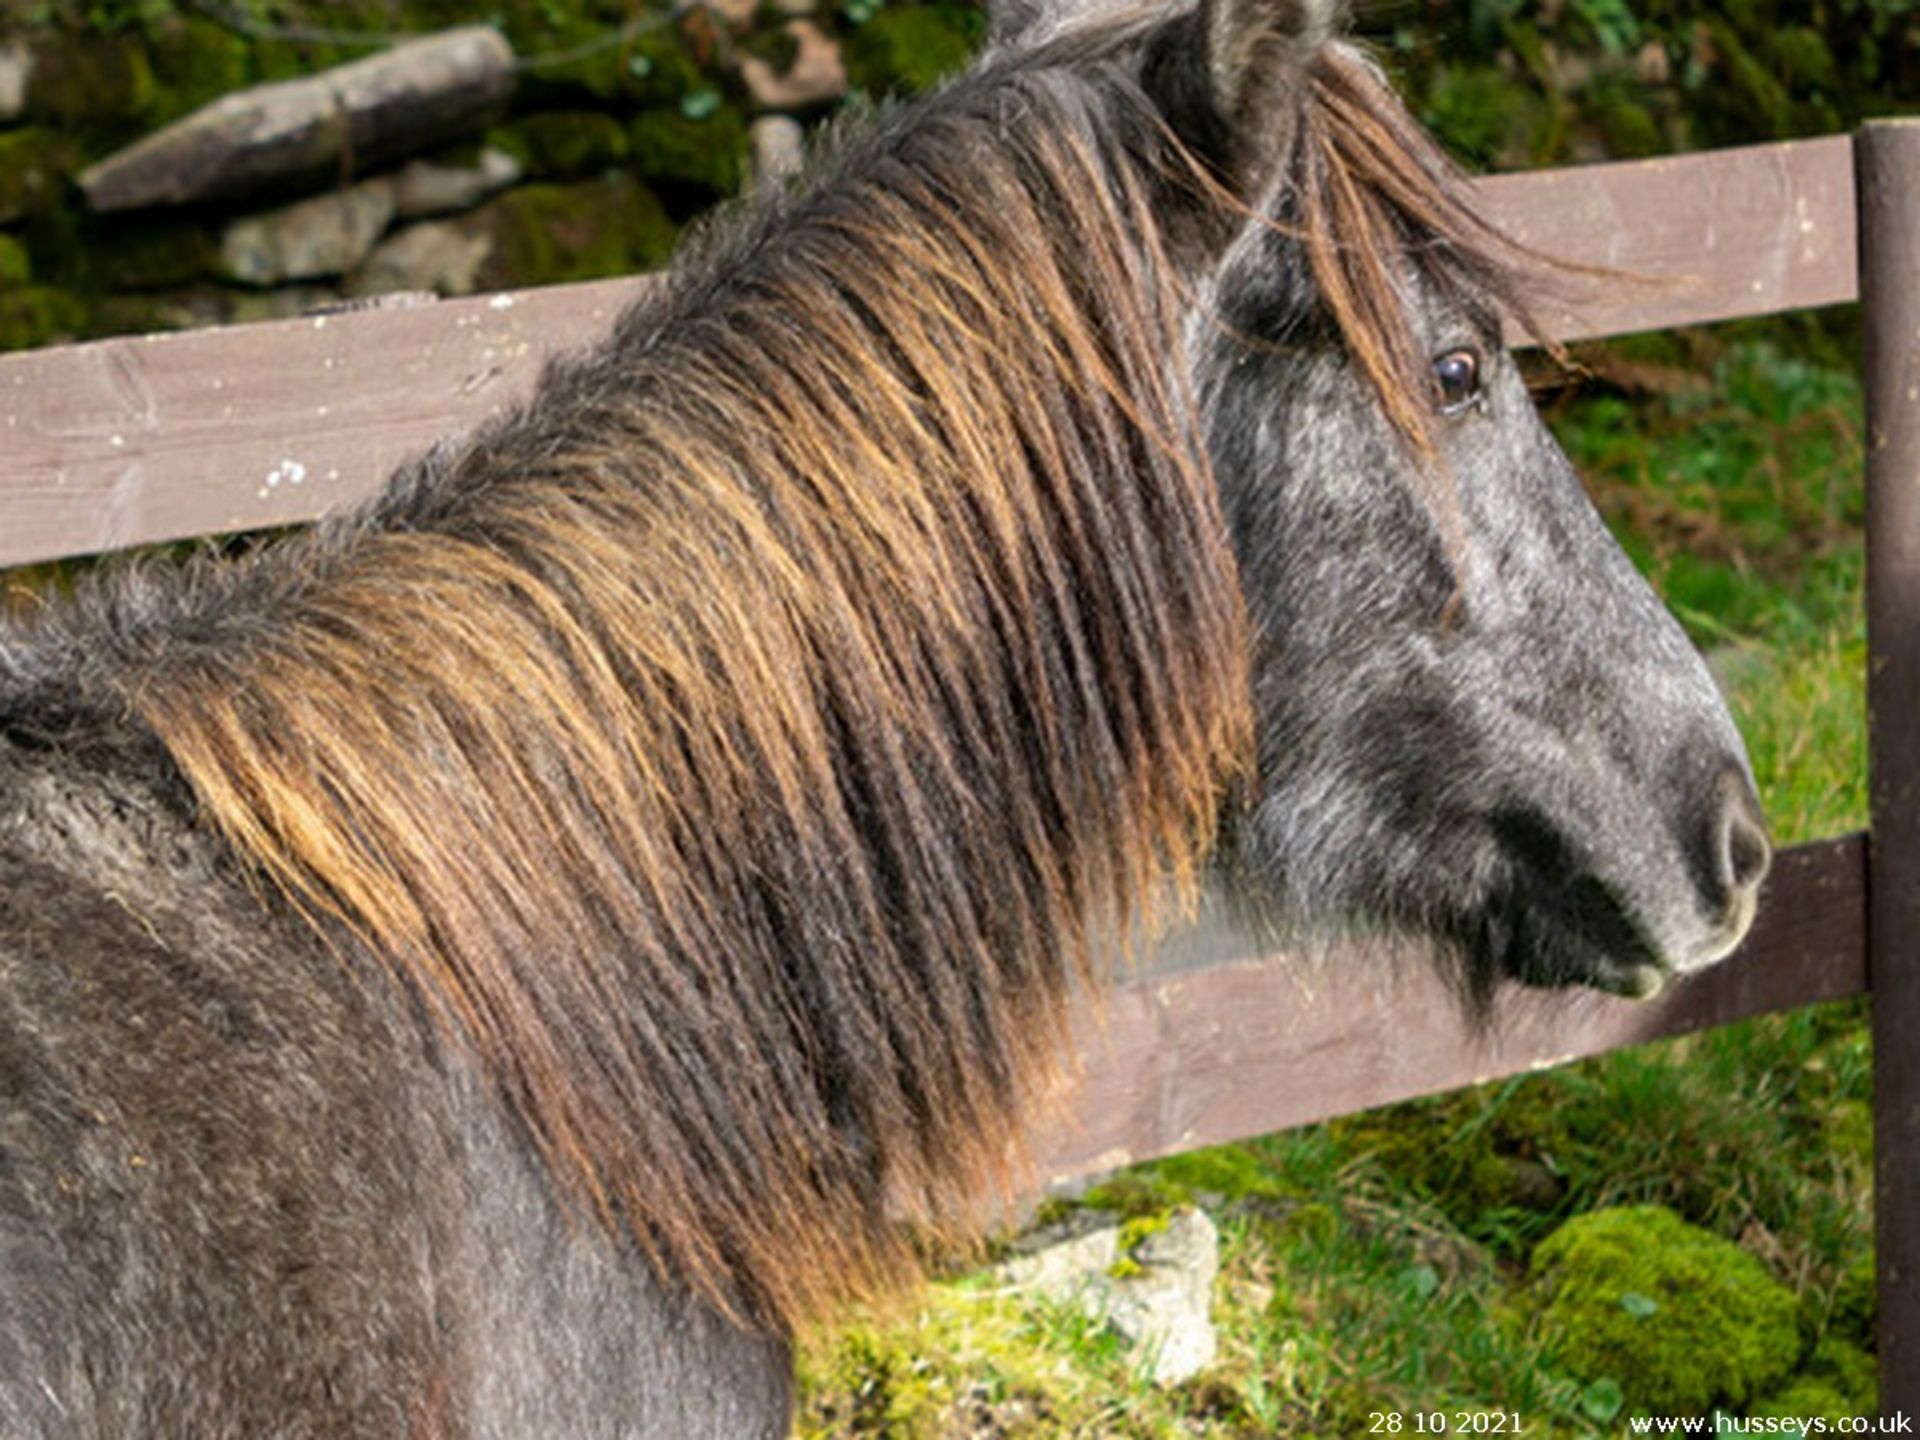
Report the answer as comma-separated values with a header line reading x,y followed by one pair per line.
x,y
129,442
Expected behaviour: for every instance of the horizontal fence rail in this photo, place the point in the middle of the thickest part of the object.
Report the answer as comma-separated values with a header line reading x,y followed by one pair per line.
x,y
164,437
1238,1045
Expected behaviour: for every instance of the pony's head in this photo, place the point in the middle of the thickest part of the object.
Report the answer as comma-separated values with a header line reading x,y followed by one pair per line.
x,y
1476,723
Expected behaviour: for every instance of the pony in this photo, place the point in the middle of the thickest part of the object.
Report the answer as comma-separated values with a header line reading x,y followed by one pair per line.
x,y
493,964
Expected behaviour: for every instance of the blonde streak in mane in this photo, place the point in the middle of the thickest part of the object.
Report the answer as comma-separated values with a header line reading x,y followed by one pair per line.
x,y
882,655
984,444
907,416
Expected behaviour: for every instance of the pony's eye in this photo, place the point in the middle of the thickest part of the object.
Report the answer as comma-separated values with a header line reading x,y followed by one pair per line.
x,y
1458,375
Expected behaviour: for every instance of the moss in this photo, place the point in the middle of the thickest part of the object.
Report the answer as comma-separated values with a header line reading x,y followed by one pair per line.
x,y
1838,1381
672,147
1680,1318
195,61
563,144
34,163
1480,113
275,58
549,234
1134,1232
1627,127
97,83
150,252
1132,1194
16,264
33,315
581,52
911,48
1751,80
1805,1396
1140,1228
1856,1299
882,1392
1803,57
1231,1172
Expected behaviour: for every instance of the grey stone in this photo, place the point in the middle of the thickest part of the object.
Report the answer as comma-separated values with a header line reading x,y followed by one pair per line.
x,y
816,76
16,64
431,187
1160,1303
778,148
432,256
415,97
323,235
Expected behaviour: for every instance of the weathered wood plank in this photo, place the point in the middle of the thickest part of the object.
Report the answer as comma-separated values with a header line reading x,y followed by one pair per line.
x,y
1717,236
1248,1045
163,437
128,442
1889,171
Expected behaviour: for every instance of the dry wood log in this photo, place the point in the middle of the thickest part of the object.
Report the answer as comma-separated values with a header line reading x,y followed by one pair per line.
x,y
321,128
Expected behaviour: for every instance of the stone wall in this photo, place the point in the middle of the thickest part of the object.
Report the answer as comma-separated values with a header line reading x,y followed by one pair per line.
x,y
627,121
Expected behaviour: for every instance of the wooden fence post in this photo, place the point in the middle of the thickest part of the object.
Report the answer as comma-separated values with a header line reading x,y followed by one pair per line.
x,y
1887,173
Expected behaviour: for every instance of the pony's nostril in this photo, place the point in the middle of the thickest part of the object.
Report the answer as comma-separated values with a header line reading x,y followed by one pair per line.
x,y
1745,851
1748,852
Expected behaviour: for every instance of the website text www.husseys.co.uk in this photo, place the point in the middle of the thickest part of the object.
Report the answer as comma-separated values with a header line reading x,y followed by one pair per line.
x,y
1718,1424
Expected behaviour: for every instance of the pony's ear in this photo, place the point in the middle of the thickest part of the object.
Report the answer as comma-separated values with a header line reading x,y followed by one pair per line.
x,y
1009,20
1256,53
1229,75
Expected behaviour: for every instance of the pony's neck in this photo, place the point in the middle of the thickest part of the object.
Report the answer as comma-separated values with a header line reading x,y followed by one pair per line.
x,y
738,745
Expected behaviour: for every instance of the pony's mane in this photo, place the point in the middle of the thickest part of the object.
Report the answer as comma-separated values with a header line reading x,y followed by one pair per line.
x,y
739,746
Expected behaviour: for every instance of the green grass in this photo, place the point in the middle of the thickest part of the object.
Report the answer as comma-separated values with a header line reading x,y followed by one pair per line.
x,y
1378,1262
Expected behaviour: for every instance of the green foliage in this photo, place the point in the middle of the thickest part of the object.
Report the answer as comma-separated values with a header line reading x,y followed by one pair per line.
x,y
16,264
1678,1317
150,251
907,49
585,53
1838,1383
1485,113
584,231
706,149
1491,1158
33,164
1855,1300
1737,489
563,144
194,62
1628,77
33,315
